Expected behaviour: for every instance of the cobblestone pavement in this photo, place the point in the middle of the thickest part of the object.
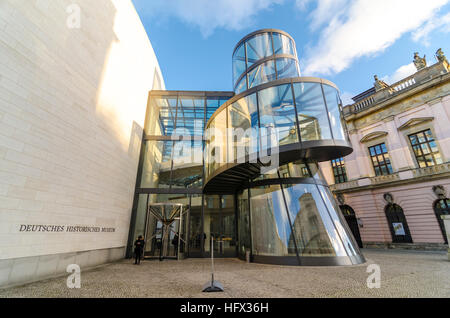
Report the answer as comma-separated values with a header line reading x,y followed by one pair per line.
x,y
403,274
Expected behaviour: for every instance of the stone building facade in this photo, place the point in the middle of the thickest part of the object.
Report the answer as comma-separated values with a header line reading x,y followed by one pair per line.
x,y
74,82
396,182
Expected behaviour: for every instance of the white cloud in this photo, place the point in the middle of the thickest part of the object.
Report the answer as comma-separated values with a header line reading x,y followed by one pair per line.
x,y
422,35
363,28
401,73
208,15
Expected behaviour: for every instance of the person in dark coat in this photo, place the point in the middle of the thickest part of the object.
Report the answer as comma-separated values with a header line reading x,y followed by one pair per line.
x,y
138,249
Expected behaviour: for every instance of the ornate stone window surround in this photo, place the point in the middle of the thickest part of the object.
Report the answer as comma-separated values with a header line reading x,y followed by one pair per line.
x,y
373,139
417,125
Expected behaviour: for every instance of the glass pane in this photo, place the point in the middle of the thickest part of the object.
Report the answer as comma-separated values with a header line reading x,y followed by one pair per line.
x,y
384,170
421,161
417,150
271,231
383,148
315,171
421,137
389,168
429,135
242,86
340,223
438,158
152,176
277,115
378,150
239,62
263,73
433,146
190,117
161,116
311,110
425,149
287,68
196,233
187,169
377,171
314,231
241,136
244,223
283,44
413,139
334,113
258,47
429,160
372,151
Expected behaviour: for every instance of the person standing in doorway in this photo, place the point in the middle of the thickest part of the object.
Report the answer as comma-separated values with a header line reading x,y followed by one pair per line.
x,y
138,249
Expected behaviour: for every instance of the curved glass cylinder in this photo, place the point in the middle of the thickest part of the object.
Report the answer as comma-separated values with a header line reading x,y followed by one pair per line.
x,y
283,113
264,56
294,223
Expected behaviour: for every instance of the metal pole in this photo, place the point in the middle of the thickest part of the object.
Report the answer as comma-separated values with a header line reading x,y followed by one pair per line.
x,y
180,228
212,260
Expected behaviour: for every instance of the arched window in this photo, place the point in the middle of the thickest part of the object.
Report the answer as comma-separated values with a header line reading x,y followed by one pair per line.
x,y
397,224
442,207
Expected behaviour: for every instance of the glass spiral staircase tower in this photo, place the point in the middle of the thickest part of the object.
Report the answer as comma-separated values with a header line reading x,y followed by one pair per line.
x,y
264,145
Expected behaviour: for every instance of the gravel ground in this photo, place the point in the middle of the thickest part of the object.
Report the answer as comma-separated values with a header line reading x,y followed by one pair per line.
x,y
403,274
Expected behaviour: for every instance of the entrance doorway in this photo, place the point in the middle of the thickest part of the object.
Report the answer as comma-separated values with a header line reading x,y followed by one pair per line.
x,y
352,221
220,223
165,231
397,224
442,207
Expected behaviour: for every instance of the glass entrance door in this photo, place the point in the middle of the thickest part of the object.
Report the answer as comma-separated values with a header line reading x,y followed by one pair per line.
x,y
220,223
165,231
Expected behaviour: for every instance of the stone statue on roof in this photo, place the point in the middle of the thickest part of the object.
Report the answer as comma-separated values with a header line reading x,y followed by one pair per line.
x,y
440,56
379,85
420,62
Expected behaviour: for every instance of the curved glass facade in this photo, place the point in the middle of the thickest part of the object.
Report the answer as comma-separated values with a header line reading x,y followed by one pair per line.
x,y
292,113
246,165
262,57
286,215
294,223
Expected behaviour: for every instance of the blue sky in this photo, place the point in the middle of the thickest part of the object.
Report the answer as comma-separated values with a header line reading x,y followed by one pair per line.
x,y
345,41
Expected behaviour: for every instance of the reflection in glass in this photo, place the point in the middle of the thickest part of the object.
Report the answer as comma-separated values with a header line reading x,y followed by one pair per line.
x,y
334,113
219,222
244,223
340,223
277,113
314,230
196,233
269,222
241,116
312,115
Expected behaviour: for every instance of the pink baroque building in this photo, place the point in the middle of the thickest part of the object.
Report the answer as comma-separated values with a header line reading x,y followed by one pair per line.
x,y
395,186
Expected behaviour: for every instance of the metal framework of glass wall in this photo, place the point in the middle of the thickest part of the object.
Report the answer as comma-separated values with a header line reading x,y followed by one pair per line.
x,y
264,56
171,163
285,216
